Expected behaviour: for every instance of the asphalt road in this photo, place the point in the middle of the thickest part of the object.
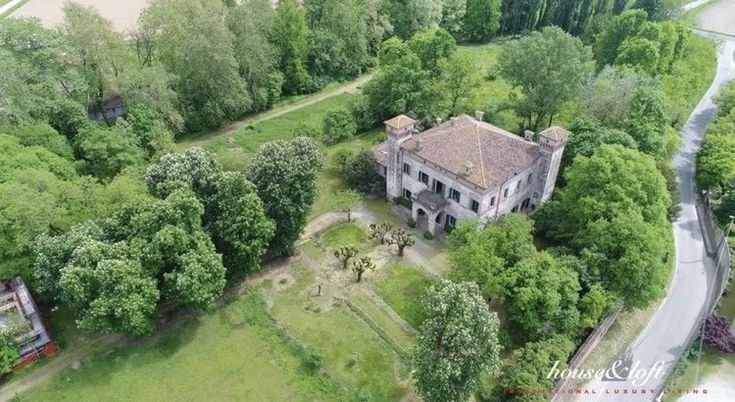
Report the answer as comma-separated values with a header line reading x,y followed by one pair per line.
x,y
691,288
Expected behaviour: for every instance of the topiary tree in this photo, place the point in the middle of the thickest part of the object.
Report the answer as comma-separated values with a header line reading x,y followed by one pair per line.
x,y
378,232
457,343
344,254
401,238
360,266
9,352
337,125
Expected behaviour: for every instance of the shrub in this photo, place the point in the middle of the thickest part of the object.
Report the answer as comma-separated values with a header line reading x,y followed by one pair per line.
x,y
9,352
313,361
403,201
362,114
428,235
337,125
361,172
411,223
341,158
717,333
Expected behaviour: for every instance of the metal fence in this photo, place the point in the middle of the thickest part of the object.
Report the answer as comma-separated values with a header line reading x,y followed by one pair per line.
x,y
592,340
718,249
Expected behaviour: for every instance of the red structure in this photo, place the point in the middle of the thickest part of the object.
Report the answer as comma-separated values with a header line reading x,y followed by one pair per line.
x,y
20,317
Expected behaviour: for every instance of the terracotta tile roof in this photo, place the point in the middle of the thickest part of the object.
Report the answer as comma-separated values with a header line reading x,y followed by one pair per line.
x,y
555,133
483,154
381,153
400,121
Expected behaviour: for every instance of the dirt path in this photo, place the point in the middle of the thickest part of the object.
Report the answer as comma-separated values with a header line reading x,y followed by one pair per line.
x,y
63,360
350,87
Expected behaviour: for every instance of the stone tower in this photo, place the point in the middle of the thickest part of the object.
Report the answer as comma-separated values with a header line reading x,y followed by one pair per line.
x,y
551,146
399,129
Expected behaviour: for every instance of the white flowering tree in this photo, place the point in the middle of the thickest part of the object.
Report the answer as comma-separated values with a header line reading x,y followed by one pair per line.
x,y
457,343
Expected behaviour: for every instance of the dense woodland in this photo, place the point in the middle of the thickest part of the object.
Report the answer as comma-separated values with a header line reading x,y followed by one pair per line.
x,y
105,220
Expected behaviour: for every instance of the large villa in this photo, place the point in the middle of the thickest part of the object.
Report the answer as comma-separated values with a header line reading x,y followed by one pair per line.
x,y
466,168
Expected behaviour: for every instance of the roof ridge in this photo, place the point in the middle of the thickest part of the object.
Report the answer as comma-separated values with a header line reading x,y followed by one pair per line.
x,y
482,157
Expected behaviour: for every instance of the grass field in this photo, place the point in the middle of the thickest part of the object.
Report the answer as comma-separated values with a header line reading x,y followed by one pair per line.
x,y
277,339
401,287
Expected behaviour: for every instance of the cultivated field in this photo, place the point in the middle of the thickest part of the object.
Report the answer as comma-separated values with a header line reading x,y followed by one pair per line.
x,y
718,17
123,14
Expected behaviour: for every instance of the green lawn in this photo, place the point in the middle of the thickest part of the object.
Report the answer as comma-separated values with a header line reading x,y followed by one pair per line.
x,y
354,354
237,350
402,287
345,235
235,151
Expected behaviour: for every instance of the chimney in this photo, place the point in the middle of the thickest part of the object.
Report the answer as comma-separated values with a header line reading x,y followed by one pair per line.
x,y
417,146
528,135
468,169
479,114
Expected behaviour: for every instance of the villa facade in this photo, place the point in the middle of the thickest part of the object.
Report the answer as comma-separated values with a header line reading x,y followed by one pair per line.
x,y
466,168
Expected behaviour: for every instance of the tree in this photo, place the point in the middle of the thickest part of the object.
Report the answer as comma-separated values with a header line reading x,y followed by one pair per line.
x,y
589,134
52,253
378,232
542,296
252,23
432,46
483,255
195,169
593,306
550,67
290,35
107,291
482,19
411,16
459,79
640,54
361,265
344,23
237,221
607,96
453,15
170,243
717,333
107,151
622,27
344,254
361,174
613,211
43,135
401,87
344,201
715,162
150,131
530,367
284,173
192,41
647,121
98,49
39,194
725,99
337,125
457,343
9,352
654,8
401,238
